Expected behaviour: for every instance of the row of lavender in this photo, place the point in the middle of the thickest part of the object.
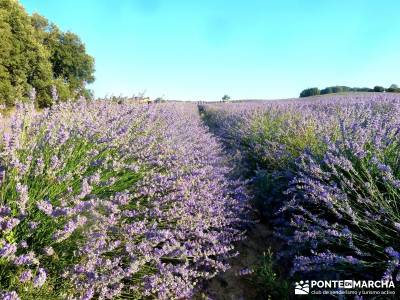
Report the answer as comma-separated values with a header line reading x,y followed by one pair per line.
x,y
100,200
328,175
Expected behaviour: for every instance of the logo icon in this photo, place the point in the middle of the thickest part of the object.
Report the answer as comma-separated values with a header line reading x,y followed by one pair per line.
x,y
302,288
348,284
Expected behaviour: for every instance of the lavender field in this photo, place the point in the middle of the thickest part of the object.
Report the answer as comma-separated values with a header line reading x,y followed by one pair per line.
x,y
107,200
141,159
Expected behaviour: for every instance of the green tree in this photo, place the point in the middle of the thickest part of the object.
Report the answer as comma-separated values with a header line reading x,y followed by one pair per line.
x,y
394,88
7,92
69,59
35,53
226,98
24,61
310,92
379,89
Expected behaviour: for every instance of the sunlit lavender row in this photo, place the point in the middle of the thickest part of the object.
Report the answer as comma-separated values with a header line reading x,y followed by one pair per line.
x,y
101,200
326,175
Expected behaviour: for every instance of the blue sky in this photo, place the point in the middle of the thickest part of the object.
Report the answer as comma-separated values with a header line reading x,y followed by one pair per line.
x,y
249,49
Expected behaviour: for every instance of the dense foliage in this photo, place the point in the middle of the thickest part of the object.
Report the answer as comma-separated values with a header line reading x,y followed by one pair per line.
x,y
103,200
345,89
310,92
37,57
327,177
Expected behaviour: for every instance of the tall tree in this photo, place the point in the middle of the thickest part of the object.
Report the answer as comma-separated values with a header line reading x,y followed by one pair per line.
x,y
35,53
70,62
24,61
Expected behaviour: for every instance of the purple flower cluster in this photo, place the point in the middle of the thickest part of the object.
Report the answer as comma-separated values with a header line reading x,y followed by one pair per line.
x,y
131,201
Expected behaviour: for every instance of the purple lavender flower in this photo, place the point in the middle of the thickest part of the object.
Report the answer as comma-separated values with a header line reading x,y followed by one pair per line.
x,y
86,188
88,294
40,278
23,196
69,228
245,271
23,244
25,276
33,224
8,250
26,259
8,224
9,296
4,211
45,207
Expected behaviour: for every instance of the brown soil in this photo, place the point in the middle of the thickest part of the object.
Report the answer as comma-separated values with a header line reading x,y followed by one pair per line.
x,y
230,286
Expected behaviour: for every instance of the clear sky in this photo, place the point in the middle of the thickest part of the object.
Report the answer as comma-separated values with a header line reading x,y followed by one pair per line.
x,y
249,49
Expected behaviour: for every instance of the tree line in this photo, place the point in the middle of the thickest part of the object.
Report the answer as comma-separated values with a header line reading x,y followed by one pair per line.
x,y
344,89
38,60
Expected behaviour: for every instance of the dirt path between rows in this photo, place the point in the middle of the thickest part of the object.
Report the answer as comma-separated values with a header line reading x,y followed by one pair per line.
x,y
230,286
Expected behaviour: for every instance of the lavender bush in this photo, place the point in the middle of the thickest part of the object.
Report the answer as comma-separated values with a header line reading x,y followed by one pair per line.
x,y
328,176
267,138
100,200
344,206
